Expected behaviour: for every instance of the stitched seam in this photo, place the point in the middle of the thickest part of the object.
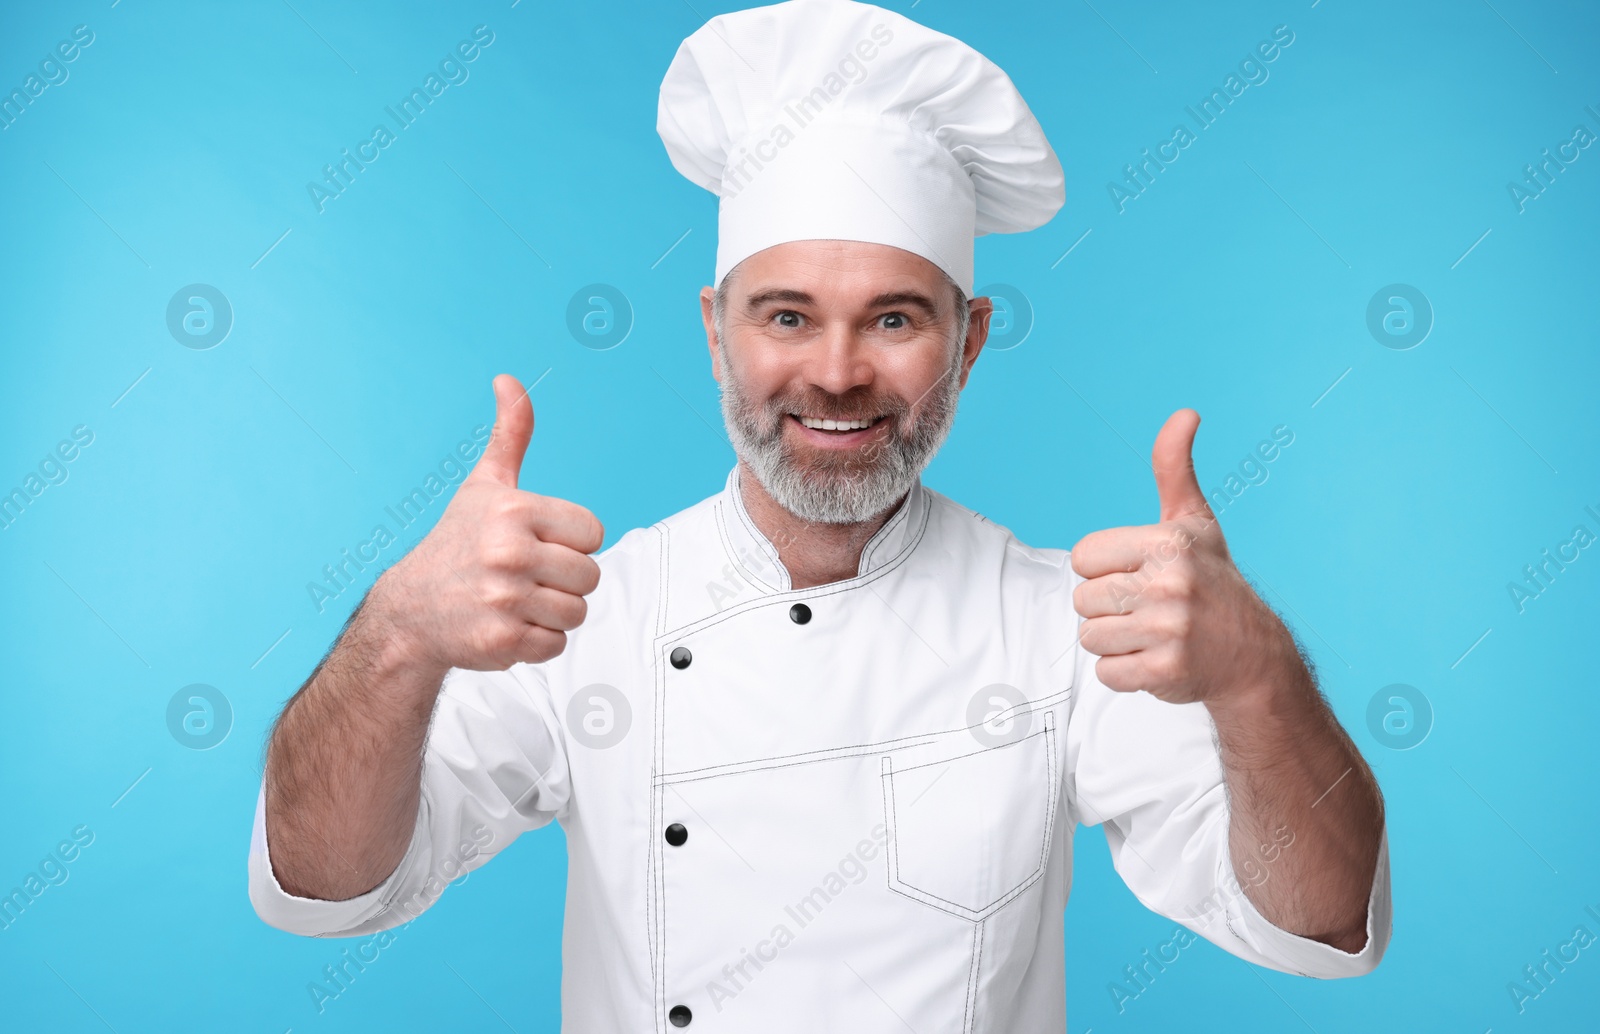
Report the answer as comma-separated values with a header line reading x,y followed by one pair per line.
x,y
979,914
886,777
744,768
983,912
1050,805
732,490
1049,818
974,753
807,755
756,582
1073,812
655,863
903,516
896,884
734,499
932,902
651,925
1044,704
833,589
663,538
971,1018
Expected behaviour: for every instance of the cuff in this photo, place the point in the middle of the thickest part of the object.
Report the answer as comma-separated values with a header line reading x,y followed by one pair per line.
x,y
314,917
1293,953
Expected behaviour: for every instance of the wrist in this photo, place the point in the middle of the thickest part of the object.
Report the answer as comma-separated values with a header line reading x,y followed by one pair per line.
x,y
1266,664
395,642
1279,690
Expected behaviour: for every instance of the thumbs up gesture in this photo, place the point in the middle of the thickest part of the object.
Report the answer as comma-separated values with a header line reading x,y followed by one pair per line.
x,y
502,577
1164,606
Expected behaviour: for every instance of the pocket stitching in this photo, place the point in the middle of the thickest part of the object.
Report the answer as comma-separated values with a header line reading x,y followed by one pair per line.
x,y
960,911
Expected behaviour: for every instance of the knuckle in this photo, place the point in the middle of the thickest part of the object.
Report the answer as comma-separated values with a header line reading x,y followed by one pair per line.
x,y
1168,548
1113,675
499,593
1166,667
500,553
596,534
509,643
1183,583
562,611
546,644
589,575
1137,675
507,506
548,562
1173,585
541,558
491,642
535,507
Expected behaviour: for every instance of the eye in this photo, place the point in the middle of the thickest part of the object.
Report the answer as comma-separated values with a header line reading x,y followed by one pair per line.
x,y
895,320
787,318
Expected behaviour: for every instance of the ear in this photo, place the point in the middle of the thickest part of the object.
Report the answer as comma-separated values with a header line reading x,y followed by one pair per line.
x,y
977,334
706,296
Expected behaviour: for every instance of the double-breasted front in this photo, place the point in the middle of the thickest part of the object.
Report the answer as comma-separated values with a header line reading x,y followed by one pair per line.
x,y
843,807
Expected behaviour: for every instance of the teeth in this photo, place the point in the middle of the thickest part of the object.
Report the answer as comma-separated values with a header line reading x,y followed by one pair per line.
x,y
836,425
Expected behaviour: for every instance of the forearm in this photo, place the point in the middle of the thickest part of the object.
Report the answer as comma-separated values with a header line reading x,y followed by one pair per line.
x,y
1306,812
344,765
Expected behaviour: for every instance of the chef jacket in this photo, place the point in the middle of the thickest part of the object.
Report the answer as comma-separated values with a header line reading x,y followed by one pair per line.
x,y
844,807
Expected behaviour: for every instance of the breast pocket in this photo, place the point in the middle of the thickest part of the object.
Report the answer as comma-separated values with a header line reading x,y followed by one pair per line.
x,y
970,829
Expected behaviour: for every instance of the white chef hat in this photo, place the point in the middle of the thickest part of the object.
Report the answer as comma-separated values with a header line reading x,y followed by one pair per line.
x,y
836,120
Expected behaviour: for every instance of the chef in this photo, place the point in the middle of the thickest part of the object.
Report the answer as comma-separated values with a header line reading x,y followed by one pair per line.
x,y
820,743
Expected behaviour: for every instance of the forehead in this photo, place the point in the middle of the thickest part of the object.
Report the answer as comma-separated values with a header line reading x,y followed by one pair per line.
x,y
838,272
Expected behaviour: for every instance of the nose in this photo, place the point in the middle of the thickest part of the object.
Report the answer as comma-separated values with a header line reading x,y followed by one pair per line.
x,y
839,360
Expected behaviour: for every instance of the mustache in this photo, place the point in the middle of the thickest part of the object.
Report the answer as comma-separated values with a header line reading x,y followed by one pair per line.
x,y
854,404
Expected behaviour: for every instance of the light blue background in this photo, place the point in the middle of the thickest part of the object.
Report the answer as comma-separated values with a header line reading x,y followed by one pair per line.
x,y
179,549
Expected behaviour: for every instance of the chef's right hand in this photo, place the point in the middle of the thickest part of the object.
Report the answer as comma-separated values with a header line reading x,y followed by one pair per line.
x,y
501,578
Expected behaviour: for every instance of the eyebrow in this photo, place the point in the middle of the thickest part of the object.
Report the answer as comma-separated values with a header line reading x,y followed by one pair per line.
x,y
915,299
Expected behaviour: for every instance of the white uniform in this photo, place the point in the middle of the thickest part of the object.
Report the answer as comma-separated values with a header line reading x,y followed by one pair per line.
x,y
785,810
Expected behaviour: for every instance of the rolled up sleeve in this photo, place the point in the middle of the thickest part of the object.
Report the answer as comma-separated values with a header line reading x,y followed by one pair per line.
x,y
494,767
1151,773
1292,953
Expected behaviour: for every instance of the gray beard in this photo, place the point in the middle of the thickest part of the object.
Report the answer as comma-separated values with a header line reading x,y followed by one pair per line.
x,y
843,489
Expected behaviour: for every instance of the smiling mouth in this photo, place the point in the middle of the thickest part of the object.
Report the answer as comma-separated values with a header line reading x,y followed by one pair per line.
x,y
817,423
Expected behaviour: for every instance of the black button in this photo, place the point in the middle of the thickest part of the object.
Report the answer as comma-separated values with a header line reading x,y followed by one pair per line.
x,y
799,613
681,658
680,1015
677,834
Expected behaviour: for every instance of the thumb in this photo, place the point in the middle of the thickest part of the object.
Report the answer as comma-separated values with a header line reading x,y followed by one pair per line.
x,y
513,427
1173,462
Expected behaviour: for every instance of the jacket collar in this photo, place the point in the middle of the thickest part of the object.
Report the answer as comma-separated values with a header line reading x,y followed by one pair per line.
x,y
756,557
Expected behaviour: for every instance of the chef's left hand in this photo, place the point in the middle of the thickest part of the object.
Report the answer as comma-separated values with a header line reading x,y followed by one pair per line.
x,y
1165,608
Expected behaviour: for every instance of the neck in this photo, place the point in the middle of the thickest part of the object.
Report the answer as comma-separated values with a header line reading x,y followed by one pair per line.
x,y
813,553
